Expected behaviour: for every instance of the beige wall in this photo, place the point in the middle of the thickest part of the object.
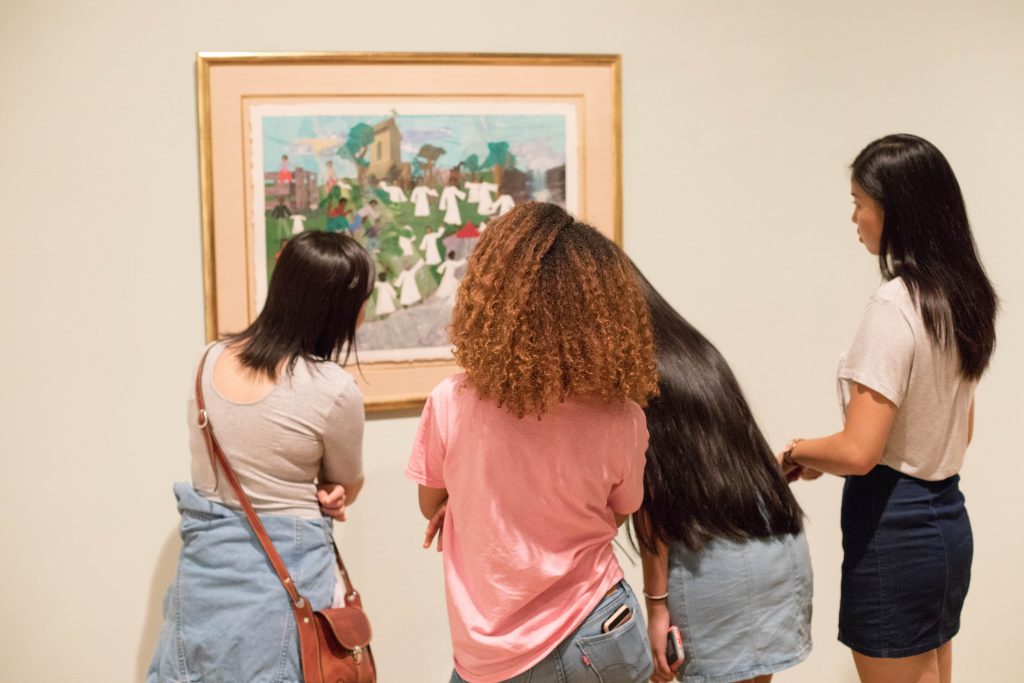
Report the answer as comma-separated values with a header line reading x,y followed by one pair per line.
x,y
739,121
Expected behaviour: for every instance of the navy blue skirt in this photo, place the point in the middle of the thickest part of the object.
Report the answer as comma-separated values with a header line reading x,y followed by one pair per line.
x,y
907,549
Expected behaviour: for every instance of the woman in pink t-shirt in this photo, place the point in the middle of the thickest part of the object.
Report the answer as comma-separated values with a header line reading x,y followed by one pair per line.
x,y
534,456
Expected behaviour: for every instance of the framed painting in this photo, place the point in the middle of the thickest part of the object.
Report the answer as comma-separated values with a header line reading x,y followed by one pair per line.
x,y
410,154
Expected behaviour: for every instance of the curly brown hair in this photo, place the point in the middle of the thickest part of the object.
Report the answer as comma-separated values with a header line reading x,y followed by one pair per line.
x,y
549,309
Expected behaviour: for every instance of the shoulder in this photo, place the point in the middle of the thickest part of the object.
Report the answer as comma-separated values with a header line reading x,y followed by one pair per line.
x,y
613,415
894,296
325,378
451,389
893,291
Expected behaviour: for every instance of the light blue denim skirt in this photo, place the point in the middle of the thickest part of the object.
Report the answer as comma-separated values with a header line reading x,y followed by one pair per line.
x,y
744,608
227,619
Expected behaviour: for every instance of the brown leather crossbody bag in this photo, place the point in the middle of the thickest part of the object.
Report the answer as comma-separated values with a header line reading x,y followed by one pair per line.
x,y
334,643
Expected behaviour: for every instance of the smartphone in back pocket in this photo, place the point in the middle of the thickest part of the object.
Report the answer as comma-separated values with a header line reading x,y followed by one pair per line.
x,y
620,616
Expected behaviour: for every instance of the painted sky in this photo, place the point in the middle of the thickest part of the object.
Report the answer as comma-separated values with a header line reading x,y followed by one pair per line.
x,y
537,140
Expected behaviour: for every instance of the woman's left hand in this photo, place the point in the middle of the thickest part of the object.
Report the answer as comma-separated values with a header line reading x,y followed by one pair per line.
x,y
658,622
332,500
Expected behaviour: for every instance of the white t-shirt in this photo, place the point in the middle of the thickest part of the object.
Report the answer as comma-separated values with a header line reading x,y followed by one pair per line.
x,y
893,355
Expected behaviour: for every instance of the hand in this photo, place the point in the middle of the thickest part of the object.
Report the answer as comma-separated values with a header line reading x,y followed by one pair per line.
x,y
809,473
790,470
435,527
658,622
332,500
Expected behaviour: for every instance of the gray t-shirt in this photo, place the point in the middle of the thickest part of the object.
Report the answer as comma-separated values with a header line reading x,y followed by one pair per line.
x,y
893,355
309,427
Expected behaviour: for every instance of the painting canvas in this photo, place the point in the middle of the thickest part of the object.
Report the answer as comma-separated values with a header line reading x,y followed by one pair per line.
x,y
416,184
414,155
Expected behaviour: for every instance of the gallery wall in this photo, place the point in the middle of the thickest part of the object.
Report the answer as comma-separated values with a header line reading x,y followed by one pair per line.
x,y
739,122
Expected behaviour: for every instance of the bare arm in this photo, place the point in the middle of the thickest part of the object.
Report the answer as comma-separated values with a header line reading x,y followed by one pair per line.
x,y
970,423
352,491
859,447
431,500
658,619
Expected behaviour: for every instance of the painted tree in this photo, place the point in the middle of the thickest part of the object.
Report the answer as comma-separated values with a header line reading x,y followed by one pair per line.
x,y
472,166
498,159
429,155
360,137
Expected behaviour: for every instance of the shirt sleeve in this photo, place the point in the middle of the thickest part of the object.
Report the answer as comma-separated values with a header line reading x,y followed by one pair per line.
x,y
343,438
882,353
426,464
628,493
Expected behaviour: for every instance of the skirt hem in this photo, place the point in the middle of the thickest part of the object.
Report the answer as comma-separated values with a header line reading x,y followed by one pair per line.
x,y
762,670
898,652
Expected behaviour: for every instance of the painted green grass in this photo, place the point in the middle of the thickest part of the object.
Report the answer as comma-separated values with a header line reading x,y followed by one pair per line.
x,y
385,248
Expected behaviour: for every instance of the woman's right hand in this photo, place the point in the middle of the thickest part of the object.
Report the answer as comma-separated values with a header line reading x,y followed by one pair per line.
x,y
658,623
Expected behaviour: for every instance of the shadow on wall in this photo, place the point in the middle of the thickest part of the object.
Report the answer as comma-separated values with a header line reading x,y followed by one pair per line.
x,y
163,574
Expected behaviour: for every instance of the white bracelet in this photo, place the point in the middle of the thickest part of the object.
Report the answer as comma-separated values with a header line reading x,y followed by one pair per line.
x,y
655,597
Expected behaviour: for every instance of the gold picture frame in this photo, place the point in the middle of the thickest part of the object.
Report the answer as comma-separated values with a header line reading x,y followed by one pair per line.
x,y
233,87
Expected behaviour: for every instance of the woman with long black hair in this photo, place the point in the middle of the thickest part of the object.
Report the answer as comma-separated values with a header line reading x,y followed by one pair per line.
x,y
724,554
907,385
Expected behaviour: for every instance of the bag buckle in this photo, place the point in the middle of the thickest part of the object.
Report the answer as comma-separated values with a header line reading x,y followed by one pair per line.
x,y
357,654
202,419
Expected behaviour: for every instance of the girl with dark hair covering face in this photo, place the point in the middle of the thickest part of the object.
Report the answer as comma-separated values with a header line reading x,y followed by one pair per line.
x,y
290,422
907,385
720,533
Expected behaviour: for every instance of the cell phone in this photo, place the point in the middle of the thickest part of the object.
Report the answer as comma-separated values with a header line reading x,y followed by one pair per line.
x,y
619,617
674,648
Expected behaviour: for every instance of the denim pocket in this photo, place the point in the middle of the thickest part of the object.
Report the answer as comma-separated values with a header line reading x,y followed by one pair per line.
x,y
620,656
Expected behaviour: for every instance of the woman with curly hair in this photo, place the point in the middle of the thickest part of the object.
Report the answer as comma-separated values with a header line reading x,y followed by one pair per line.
x,y
532,458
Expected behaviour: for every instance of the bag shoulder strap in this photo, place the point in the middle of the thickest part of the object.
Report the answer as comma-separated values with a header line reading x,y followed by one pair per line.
x,y
217,454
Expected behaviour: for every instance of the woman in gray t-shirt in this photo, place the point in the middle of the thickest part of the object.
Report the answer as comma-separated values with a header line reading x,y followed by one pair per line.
x,y
290,422
907,386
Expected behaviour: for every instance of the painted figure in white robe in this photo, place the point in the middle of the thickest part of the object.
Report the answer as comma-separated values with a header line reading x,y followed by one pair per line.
x,y
395,193
449,280
407,282
405,241
486,205
429,245
298,223
386,296
421,196
474,192
504,204
450,205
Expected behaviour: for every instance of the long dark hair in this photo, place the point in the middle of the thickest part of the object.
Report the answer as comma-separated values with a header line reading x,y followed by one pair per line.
x,y
318,288
927,241
710,472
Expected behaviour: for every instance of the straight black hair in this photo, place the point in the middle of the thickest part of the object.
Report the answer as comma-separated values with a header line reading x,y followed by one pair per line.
x,y
927,241
313,302
710,472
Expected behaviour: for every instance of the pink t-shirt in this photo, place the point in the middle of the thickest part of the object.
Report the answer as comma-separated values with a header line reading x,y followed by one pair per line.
x,y
528,531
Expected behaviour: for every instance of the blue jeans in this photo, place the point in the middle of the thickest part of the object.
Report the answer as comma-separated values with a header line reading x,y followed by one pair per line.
x,y
227,619
588,655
